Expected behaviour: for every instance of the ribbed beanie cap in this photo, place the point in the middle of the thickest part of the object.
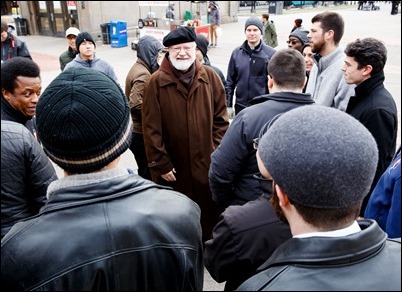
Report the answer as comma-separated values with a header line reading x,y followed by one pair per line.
x,y
320,156
254,21
83,120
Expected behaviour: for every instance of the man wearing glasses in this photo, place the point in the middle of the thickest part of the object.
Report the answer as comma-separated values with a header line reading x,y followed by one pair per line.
x,y
184,118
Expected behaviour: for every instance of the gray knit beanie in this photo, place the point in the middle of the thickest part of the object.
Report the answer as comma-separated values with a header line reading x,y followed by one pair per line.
x,y
301,34
254,21
83,120
320,156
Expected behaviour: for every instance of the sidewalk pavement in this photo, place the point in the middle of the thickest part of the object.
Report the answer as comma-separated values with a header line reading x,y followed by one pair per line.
x,y
358,24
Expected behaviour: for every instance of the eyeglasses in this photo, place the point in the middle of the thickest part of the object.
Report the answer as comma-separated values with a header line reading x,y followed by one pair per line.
x,y
293,42
186,49
255,143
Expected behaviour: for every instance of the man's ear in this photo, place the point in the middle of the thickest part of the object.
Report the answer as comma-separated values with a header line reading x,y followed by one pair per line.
x,y
367,70
270,83
282,196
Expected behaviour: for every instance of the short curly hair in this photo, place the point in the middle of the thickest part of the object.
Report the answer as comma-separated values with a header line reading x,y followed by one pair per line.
x,y
14,67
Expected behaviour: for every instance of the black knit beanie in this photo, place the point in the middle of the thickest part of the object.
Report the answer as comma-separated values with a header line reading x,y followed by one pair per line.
x,y
202,44
83,36
83,120
320,156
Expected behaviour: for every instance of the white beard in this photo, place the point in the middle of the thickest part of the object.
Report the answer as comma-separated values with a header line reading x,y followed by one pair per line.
x,y
182,65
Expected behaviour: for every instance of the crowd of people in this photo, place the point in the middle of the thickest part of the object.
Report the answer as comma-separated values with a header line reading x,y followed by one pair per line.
x,y
282,175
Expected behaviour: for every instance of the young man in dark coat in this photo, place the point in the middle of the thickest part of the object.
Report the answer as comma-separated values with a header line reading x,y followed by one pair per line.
x,y
11,45
372,103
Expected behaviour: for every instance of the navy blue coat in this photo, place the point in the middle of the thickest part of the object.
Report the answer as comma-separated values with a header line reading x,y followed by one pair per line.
x,y
233,163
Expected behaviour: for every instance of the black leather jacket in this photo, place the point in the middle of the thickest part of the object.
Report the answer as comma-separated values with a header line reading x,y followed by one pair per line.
x,y
124,233
26,172
364,261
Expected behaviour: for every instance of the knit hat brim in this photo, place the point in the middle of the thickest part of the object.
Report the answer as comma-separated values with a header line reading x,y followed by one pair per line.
x,y
83,36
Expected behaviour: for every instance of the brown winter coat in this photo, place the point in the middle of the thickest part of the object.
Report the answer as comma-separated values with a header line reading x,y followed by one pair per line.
x,y
181,129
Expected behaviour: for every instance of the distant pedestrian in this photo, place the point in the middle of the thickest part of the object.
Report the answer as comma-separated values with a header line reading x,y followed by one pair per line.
x,y
248,67
11,45
170,11
21,86
69,55
270,37
87,58
297,24
214,23
395,7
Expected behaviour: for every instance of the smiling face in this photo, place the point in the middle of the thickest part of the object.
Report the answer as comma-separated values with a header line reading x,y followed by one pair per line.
x,y
308,58
25,96
71,41
182,55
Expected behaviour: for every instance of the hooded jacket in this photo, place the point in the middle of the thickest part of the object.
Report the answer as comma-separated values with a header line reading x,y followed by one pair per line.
x,y
146,64
96,63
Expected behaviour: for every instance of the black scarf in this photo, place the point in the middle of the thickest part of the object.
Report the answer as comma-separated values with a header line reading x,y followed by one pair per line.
x,y
187,77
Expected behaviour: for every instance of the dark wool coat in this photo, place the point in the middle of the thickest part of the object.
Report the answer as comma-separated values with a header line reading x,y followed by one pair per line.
x,y
375,108
181,129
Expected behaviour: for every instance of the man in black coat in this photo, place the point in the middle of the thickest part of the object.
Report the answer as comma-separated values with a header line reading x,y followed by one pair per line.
x,y
372,104
247,235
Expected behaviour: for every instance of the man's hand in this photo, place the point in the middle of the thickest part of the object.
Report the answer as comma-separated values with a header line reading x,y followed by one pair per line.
x,y
169,176
231,112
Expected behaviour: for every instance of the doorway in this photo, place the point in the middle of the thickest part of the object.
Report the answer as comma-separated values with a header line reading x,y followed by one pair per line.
x,y
54,17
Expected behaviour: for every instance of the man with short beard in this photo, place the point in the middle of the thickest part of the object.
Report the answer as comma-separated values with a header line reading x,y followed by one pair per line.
x,y
184,118
326,83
